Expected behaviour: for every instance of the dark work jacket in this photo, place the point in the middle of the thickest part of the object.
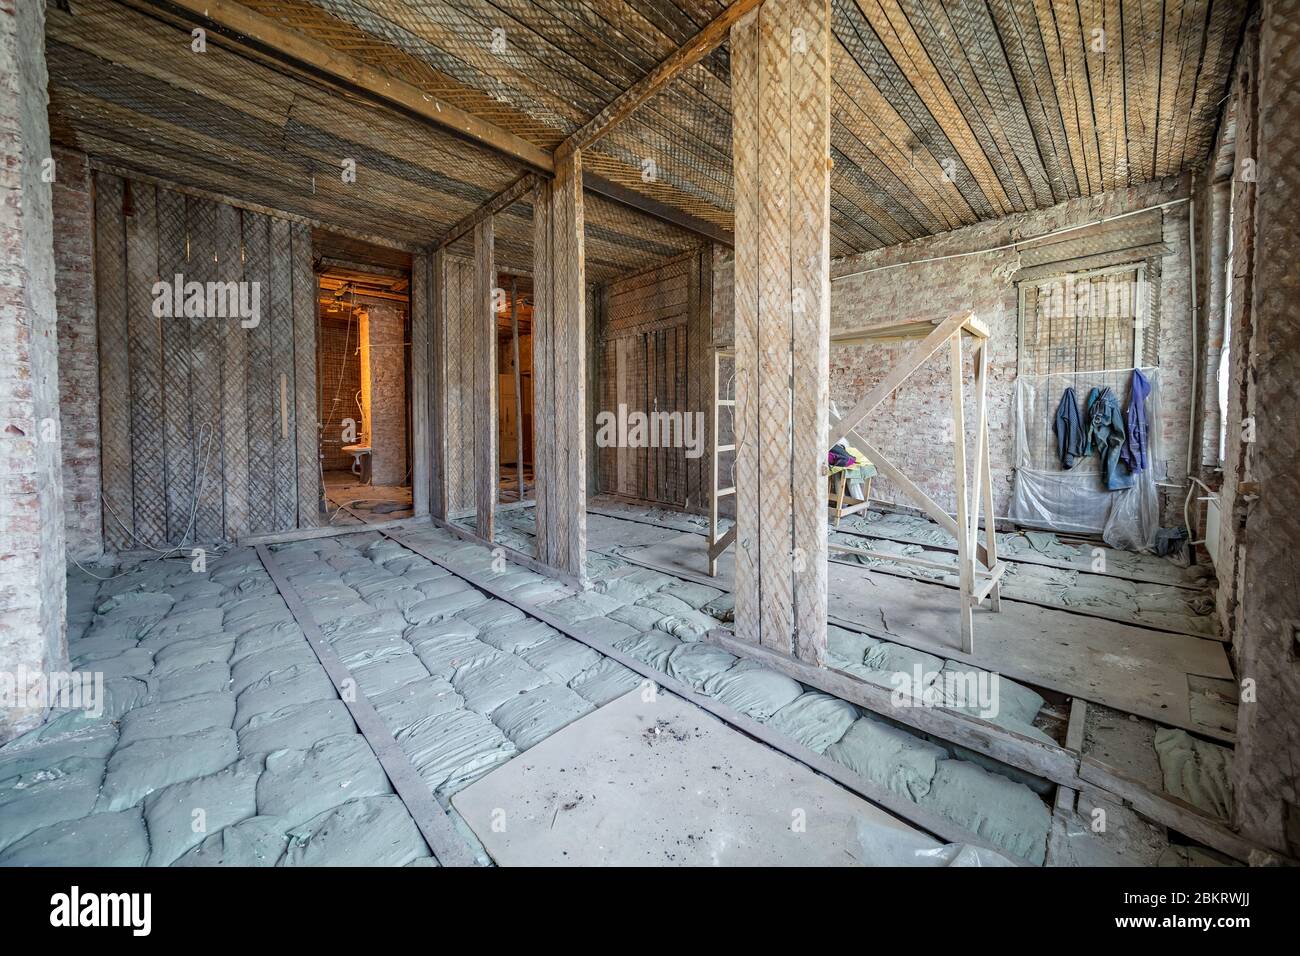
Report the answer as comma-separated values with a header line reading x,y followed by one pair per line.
x,y
1071,439
1134,451
1106,434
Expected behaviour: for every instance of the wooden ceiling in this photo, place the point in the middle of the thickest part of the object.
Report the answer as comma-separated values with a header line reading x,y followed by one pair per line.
x,y
945,112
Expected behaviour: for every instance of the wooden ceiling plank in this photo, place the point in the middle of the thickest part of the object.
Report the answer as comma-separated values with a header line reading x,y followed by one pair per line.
x,y
971,20
1143,25
1195,23
895,30
1073,38
235,18
638,93
1212,76
870,121
951,56
1018,24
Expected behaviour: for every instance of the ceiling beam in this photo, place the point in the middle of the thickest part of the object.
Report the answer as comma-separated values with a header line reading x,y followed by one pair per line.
x,y
673,66
656,209
269,37
508,196
228,17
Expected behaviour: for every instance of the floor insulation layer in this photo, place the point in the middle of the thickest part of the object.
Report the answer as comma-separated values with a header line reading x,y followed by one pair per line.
x,y
651,780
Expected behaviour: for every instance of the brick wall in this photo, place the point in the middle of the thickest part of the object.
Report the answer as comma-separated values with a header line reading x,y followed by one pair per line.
x,y
387,347
338,377
914,426
74,214
32,563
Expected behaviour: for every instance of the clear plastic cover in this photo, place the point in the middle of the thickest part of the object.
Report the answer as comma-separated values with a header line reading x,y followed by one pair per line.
x,y
1046,495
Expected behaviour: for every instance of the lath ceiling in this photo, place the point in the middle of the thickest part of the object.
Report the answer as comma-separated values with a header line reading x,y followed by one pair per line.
x,y
945,112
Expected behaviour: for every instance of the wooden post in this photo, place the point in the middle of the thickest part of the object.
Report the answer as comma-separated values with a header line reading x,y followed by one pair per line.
x,y
519,398
780,64
986,482
559,370
966,570
421,376
485,400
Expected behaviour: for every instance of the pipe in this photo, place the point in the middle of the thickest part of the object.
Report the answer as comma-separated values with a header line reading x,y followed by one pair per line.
x,y
1017,243
1196,318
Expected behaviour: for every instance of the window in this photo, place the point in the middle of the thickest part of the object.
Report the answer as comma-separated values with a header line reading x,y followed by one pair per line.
x,y
1083,321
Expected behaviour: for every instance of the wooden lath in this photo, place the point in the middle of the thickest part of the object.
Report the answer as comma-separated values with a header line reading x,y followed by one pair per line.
x,y
945,112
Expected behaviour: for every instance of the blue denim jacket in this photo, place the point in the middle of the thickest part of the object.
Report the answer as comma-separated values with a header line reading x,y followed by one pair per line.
x,y
1106,434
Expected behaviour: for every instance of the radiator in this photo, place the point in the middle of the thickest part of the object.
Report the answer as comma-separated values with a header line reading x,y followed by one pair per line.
x,y
1212,528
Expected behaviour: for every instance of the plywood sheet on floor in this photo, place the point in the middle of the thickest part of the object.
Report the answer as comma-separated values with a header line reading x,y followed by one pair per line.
x,y
1134,669
661,782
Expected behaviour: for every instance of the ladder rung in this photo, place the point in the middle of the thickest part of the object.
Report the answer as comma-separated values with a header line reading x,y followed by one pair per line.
x,y
729,402
722,492
722,448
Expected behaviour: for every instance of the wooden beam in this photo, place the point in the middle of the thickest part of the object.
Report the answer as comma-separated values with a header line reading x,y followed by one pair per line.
x,y
507,197
284,43
919,816
674,65
657,210
484,346
235,21
447,846
780,65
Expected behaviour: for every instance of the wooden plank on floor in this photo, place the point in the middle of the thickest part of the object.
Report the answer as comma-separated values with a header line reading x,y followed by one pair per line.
x,y
924,819
1044,647
444,842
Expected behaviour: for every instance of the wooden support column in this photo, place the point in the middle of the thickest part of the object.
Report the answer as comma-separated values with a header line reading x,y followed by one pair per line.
x,y
1265,771
485,399
780,66
559,370
438,417
421,386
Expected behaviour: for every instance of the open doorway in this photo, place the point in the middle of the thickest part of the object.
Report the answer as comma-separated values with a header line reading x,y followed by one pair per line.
x,y
515,378
364,391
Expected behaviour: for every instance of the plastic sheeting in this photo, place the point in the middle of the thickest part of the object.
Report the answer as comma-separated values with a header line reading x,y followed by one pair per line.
x,y
1046,495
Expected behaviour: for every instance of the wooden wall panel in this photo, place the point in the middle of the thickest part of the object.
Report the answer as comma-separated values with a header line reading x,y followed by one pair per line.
x,y
199,448
234,378
147,447
781,139
285,431
461,389
114,362
304,371
655,356
559,370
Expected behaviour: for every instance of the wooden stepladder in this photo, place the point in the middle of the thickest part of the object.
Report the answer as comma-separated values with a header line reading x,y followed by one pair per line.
x,y
719,543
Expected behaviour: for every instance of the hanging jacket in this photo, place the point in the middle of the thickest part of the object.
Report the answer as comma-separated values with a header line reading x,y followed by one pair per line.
x,y
1071,439
1106,434
1134,451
